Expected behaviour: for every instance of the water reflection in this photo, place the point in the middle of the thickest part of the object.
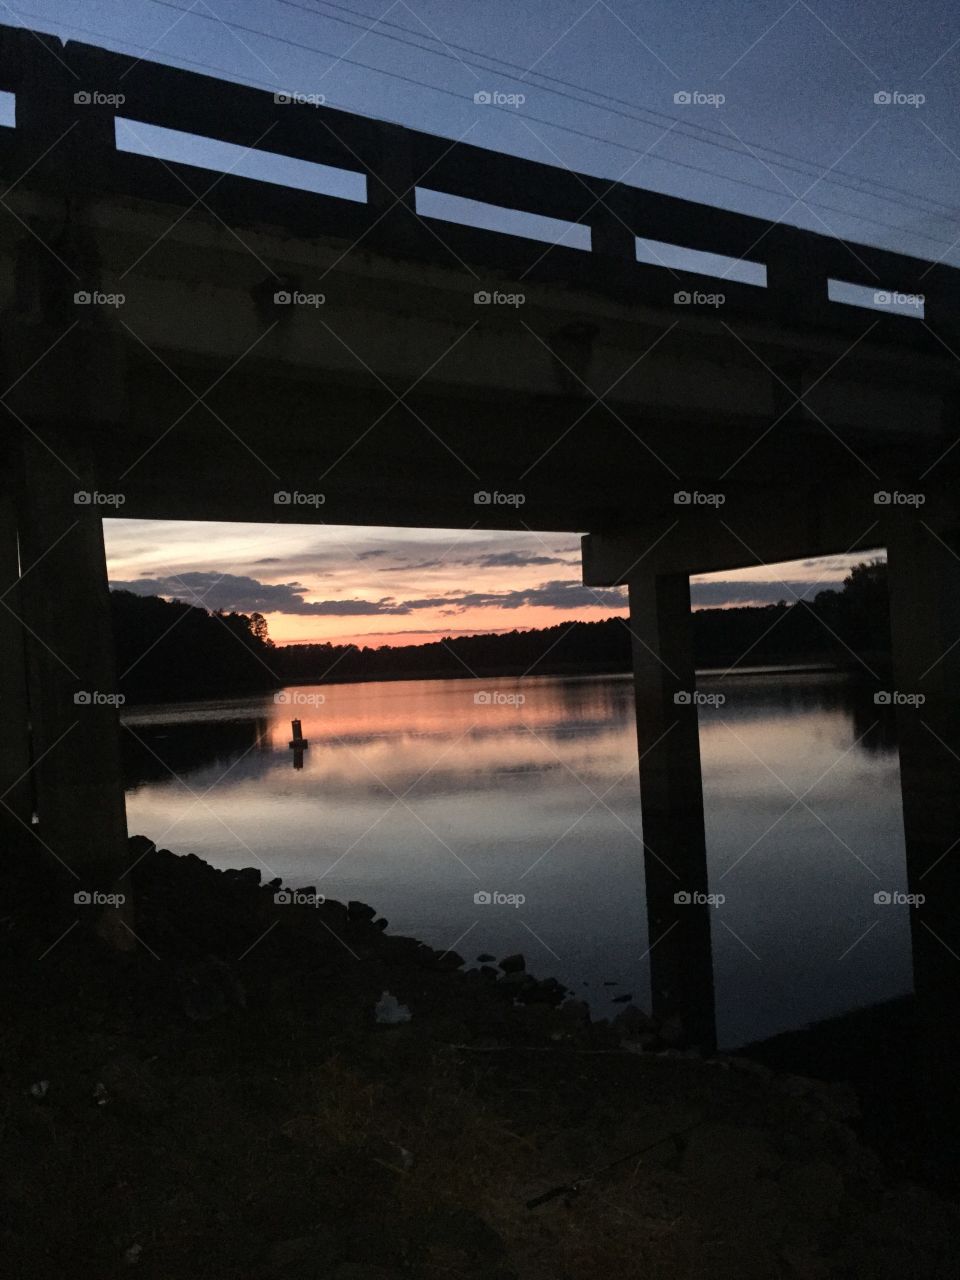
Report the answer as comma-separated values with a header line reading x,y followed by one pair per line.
x,y
416,796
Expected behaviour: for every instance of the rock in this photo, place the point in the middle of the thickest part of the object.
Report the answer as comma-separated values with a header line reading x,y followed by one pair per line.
x,y
513,964
449,960
794,1086
576,1013
359,911
246,876
209,989
485,958
381,924
488,971
390,1012
671,1030
632,1021
624,998
814,1191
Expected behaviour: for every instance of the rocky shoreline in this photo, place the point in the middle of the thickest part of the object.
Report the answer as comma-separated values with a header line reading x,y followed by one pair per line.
x,y
265,1086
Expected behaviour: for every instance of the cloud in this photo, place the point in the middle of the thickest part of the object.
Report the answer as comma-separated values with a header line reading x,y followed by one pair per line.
x,y
234,592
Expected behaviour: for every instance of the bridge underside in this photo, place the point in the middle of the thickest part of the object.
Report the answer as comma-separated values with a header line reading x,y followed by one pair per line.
x,y
680,441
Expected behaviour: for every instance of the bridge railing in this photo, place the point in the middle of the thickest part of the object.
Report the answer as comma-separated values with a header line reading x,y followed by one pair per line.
x,y
46,78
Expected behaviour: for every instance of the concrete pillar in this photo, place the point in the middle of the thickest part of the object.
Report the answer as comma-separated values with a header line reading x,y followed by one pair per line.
x,y
671,796
70,667
16,783
924,575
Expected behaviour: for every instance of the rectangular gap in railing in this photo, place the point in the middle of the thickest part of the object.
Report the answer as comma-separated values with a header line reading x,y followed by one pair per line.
x,y
494,217
678,258
137,138
8,110
886,301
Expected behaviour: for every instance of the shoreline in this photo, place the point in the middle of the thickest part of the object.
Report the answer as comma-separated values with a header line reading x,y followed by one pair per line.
x,y
223,1098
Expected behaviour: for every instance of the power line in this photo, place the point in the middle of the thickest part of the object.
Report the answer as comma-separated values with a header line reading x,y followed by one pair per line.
x,y
684,127
235,76
167,4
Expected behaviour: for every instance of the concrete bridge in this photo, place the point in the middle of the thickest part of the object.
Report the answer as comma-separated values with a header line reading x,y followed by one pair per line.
x,y
222,381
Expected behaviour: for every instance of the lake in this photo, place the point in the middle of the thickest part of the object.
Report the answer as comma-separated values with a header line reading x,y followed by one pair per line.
x,y
416,796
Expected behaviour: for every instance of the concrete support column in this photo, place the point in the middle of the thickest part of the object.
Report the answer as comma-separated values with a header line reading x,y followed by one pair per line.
x,y
671,795
924,574
16,783
70,666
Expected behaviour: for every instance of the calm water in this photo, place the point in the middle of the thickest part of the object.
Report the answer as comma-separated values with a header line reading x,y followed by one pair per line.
x,y
414,797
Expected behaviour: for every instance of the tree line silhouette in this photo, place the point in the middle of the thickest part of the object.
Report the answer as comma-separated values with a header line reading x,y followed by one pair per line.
x,y
172,650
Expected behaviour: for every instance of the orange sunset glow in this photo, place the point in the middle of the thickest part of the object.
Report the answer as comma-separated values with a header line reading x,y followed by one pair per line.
x,y
376,586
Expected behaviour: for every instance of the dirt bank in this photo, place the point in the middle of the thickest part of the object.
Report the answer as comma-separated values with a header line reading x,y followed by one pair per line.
x,y
221,1101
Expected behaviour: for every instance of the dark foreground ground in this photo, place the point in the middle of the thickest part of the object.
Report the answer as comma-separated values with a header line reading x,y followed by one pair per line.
x,y
220,1101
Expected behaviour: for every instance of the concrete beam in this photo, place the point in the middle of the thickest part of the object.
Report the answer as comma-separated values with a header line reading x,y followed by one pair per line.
x,y
924,575
71,679
671,796
16,784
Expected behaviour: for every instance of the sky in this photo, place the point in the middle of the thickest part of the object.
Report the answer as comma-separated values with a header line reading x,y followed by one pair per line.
x,y
833,116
